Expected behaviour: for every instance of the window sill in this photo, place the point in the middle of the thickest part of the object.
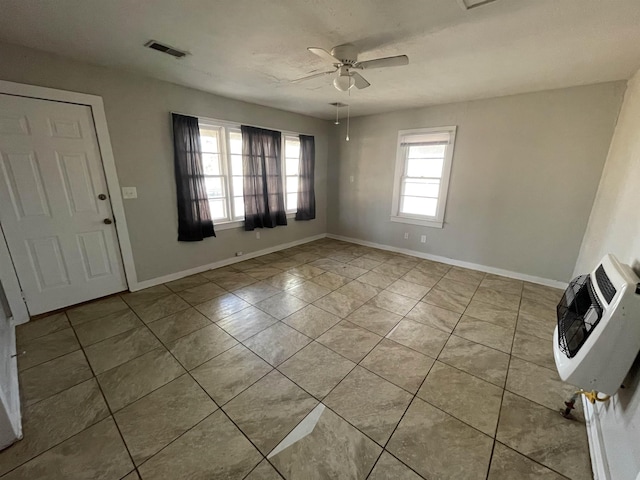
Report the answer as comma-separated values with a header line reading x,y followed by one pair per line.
x,y
239,223
418,221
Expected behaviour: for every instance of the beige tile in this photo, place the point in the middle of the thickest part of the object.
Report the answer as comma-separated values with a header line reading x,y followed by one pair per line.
x,y
349,340
197,347
535,292
246,323
459,274
536,431
533,349
97,330
371,404
269,409
145,295
306,271
236,267
201,293
400,365
338,304
136,378
501,316
52,377
338,450
538,384
214,448
221,307
312,321
281,305
316,369
344,270
374,319
434,316
423,338
47,347
447,299
40,327
539,309
395,271
230,280
264,471
483,362
186,283
154,421
132,476
284,281
503,284
393,302
378,280
359,291
474,401
408,289
389,467
366,263
97,453
95,309
536,326
231,372
485,333
309,291
151,310
178,325
422,278
436,268
257,292
331,280
53,420
277,343
428,439
507,464
498,298
117,350
263,272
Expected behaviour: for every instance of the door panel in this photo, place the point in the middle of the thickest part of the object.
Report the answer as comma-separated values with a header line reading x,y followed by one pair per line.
x,y
51,175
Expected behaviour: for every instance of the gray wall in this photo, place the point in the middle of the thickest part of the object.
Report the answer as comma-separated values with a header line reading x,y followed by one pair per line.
x,y
525,173
614,227
137,110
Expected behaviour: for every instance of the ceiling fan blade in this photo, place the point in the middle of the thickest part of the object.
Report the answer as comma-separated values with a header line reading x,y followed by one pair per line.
x,y
359,81
384,62
322,53
315,75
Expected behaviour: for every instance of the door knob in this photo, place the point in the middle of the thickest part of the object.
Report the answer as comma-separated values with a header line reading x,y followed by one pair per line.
x,y
107,221
102,196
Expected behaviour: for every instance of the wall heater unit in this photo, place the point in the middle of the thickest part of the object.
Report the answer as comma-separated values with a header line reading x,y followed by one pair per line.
x,y
598,333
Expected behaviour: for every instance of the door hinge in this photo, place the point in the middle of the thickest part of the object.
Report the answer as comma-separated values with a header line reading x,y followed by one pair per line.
x,y
23,296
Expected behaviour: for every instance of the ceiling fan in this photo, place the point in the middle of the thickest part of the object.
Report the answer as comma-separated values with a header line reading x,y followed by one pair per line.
x,y
345,59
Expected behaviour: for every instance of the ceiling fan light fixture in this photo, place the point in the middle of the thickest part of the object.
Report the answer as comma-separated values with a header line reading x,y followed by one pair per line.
x,y
343,82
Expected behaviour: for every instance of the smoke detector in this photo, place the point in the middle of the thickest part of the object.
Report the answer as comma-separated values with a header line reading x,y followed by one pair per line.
x,y
160,47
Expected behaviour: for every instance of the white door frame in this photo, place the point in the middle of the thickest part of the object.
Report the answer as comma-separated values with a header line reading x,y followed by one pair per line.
x,y
8,275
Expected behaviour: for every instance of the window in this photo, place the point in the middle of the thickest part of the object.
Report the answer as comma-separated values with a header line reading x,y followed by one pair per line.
x,y
291,172
222,163
422,173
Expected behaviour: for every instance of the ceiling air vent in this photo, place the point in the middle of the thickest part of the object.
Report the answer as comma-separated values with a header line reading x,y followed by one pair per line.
x,y
471,4
174,52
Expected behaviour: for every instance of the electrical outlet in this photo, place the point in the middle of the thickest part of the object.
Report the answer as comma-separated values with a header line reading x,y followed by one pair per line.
x,y
238,254
129,192
258,235
406,235
423,239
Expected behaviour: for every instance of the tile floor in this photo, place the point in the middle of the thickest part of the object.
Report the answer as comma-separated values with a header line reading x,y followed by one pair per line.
x,y
328,360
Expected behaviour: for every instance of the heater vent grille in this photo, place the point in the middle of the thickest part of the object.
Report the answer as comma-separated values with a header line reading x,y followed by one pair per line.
x,y
605,285
174,52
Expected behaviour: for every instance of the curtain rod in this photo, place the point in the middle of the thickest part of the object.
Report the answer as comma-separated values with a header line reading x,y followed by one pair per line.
x,y
235,124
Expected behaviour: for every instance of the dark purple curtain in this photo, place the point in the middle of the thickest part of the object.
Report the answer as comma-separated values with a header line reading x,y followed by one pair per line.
x,y
306,189
262,169
194,217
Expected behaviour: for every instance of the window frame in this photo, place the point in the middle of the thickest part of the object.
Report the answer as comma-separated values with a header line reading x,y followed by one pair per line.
x,y
436,221
286,174
225,127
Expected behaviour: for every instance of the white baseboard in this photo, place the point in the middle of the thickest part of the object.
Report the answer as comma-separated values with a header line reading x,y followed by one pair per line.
x,y
599,463
221,263
458,263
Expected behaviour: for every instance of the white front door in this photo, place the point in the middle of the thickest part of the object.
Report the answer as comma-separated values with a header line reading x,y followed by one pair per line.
x,y
54,204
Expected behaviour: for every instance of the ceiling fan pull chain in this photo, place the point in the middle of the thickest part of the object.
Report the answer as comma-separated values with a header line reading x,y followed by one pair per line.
x,y
347,123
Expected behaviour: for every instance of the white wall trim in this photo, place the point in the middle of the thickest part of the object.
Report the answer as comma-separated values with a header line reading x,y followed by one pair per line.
x,y
222,263
10,285
104,143
458,263
599,463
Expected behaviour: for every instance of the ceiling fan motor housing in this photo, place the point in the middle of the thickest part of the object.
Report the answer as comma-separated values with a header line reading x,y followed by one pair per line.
x,y
347,53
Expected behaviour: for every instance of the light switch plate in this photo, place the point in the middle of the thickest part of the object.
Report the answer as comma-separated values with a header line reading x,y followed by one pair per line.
x,y
129,192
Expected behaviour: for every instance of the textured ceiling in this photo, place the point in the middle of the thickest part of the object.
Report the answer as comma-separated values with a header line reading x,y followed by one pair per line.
x,y
251,49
